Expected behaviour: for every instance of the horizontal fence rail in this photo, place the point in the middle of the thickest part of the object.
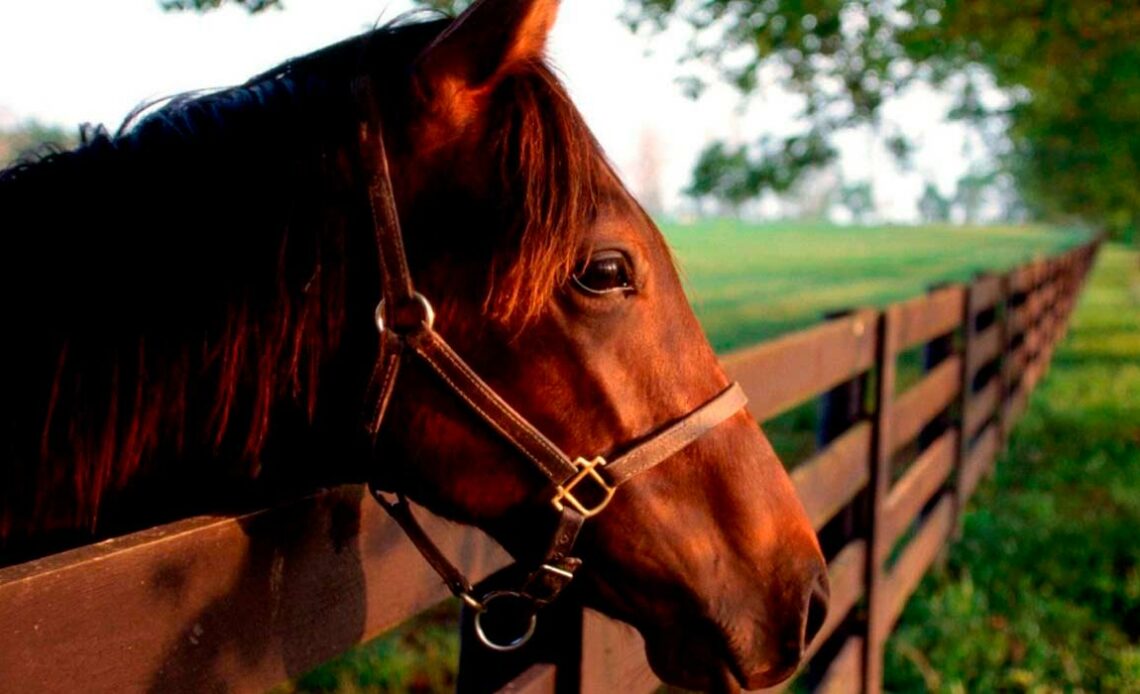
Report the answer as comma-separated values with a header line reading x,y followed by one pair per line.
x,y
241,604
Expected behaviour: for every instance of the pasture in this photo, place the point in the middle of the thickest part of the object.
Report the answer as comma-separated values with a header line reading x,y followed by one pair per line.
x,y
749,283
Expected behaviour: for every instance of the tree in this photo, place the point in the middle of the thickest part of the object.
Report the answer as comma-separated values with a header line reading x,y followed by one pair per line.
x,y
858,199
933,207
970,195
30,137
724,175
253,6
1071,70
736,175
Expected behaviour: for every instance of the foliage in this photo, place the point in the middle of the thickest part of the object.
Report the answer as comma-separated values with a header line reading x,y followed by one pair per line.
x,y
451,7
1071,70
1042,592
252,6
736,175
970,195
858,199
30,138
933,206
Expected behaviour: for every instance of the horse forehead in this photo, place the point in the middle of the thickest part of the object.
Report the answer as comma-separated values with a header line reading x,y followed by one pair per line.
x,y
620,220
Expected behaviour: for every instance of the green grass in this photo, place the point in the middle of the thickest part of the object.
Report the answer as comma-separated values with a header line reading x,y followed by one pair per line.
x,y
1042,593
750,283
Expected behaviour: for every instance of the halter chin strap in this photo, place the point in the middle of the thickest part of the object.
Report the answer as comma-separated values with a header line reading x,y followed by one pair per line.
x,y
406,320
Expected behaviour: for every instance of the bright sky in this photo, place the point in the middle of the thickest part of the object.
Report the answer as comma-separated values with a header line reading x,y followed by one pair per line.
x,y
75,61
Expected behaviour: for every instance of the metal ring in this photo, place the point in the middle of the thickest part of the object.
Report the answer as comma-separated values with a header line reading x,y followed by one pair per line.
x,y
512,645
427,313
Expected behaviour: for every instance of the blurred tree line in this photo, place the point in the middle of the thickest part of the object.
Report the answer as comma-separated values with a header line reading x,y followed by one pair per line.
x,y
1070,70
31,137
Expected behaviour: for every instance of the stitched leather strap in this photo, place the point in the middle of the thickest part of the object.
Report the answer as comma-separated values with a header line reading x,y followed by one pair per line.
x,y
384,378
557,567
401,511
675,437
464,382
395,277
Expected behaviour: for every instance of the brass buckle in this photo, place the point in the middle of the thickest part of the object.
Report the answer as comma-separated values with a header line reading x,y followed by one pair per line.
x,y
586,469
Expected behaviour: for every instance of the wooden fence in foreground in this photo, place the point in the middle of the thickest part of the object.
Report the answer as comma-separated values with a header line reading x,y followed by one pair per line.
x,y
242,604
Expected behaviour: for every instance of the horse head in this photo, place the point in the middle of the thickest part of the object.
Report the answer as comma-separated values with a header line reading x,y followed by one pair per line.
x,y
560,292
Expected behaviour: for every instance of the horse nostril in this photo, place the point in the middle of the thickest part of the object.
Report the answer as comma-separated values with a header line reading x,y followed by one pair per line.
x,y
815,612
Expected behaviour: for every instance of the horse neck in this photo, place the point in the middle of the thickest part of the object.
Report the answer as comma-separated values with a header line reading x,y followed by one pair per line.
x,y
183,298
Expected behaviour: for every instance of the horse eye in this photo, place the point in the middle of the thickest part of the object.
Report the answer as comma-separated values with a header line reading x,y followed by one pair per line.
x,y
606,272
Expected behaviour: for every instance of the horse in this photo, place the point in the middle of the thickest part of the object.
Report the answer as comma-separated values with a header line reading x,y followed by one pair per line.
x,y
192,303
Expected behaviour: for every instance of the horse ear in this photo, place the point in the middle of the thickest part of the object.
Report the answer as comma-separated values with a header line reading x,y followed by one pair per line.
x,y
486,41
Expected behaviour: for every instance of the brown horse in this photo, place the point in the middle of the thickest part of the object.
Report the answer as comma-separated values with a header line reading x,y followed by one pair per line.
x,y
191,306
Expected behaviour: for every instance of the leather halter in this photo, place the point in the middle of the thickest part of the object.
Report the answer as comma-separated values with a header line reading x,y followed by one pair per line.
x,y
405,320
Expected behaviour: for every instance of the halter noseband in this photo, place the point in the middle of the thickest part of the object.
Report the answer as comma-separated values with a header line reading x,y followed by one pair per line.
x,y
405,320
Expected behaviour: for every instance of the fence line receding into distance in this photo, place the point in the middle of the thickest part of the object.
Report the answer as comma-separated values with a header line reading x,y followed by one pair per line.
x,y
242,604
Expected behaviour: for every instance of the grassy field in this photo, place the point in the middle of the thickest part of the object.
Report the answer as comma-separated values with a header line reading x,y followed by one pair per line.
x,y
750,283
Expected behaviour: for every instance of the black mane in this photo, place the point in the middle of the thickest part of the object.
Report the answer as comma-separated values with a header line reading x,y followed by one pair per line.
x,y
173,288
205,243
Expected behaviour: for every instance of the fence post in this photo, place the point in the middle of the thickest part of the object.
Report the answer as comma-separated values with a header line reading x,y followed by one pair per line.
x,y
877,489
1002,316
1016,351
966,387
839,409
934,353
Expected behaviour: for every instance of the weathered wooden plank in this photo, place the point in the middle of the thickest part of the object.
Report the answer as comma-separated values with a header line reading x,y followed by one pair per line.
x,y
613,658
1019,319
1014,364
829,480
985,347
903,578
1015,407
539,679
1021,279
916,407
980,407
929,316
845,674
245,601
978,461
846,575
780,374
910,494
986,292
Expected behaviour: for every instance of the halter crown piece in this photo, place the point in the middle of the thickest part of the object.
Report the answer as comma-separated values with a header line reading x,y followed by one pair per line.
x,y
406,320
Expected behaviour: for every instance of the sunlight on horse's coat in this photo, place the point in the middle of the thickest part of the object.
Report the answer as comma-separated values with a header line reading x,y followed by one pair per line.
x,y
203,288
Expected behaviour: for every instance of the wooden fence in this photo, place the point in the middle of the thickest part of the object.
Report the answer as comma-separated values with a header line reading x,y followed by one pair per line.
x,y
242,604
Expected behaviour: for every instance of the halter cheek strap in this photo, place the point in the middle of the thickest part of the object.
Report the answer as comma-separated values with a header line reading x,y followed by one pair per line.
x,y
406,321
